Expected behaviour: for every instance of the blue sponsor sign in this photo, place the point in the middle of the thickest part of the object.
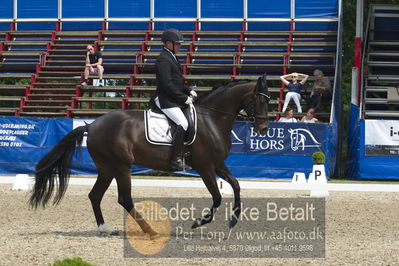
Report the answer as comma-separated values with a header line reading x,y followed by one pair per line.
x,y
284,149
281,139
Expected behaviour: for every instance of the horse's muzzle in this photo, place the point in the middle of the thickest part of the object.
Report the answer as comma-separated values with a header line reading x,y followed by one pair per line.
x,y
261,128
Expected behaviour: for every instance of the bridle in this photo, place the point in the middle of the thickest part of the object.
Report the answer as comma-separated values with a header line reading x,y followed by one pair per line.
x,y
250,105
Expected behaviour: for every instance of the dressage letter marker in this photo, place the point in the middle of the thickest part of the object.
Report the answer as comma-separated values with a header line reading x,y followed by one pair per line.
x,y
299,178
318,177
22,182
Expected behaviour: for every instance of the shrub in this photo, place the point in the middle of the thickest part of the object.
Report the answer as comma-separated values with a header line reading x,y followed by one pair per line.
x,y
71,262
318,157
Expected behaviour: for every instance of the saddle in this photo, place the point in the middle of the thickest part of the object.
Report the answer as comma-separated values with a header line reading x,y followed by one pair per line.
x,y
159,129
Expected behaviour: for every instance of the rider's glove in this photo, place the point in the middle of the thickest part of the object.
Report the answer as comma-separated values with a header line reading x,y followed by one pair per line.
x,y
189,101
193,94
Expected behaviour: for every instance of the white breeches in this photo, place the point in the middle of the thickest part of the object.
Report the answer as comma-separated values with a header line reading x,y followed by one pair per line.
x,y
294,95
175,114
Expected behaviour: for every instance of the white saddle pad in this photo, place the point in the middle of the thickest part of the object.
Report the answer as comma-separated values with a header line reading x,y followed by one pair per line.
x,y
158,131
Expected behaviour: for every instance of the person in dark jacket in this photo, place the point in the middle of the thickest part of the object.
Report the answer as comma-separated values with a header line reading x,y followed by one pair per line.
x,y
321,91
172,94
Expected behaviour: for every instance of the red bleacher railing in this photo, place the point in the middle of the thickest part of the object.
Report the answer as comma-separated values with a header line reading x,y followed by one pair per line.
x,y
189,59
1,49
42,62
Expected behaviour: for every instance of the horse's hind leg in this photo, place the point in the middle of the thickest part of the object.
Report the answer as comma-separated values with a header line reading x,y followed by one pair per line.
x,y
210,183
124,182
225,174
96,195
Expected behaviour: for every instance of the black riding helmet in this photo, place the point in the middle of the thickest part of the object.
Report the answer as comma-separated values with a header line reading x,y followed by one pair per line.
x,y
172,35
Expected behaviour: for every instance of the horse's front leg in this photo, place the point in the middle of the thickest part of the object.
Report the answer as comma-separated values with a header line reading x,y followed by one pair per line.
x,y
210,183
225,174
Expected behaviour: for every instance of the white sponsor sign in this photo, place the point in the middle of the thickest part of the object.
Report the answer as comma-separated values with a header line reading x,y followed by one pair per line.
x,y
382,137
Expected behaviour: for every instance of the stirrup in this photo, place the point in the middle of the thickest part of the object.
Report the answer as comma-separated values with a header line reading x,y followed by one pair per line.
x,y
180,165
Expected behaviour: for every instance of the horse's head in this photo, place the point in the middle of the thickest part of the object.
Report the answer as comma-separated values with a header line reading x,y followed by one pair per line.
x,y
260,100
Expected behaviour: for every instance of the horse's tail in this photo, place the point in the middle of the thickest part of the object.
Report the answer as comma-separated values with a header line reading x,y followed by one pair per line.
x,y
57,161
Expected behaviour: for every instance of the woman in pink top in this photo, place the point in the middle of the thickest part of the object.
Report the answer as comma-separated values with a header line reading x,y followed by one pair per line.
x,y
309,117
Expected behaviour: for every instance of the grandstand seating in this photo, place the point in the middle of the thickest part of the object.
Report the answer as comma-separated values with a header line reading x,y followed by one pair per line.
x,y
381,66
56,62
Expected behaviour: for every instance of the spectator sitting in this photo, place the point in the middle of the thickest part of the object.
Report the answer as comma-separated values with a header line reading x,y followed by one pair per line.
x,y
294,89
321,91
289,116
310,117
93,65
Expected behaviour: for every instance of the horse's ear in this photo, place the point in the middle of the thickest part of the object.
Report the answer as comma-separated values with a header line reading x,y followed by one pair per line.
x,y
264,82
261,86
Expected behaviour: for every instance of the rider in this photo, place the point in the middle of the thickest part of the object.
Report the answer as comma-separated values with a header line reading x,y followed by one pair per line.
x,y
172,94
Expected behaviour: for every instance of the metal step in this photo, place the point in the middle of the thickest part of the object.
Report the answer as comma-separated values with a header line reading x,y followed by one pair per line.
x,y
74,40
44,85
384,53
377,101
76,33
8,110
61,73
44,114
384,43
25,43
67,51
30,33
54,91
383,64
47,101
90,112
75,79
386,78
47,68
65,56
45,107
69,45
65,63
51,95
376,88
382,114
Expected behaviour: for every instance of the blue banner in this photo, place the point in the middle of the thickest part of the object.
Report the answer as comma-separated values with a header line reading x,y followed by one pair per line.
x,y
293,139
286,147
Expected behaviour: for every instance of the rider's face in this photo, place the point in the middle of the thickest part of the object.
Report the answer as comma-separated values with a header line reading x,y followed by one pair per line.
x,y
173,46
177,47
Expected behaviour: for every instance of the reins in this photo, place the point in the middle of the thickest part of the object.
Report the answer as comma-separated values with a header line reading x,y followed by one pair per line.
x,y
216,110
251,117
248,105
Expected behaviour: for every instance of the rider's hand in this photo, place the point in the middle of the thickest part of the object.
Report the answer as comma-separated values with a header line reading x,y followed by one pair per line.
x,y
189,101
193,94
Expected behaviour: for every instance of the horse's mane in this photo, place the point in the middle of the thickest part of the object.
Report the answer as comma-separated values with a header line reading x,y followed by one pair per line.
x,y
221,89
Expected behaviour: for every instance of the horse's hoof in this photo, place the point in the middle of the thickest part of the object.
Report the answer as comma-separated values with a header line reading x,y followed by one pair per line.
x,y
154,235
196,224
233,222
105,229
115,233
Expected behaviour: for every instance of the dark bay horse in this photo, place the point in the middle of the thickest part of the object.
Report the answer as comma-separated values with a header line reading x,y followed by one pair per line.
x,y
116,141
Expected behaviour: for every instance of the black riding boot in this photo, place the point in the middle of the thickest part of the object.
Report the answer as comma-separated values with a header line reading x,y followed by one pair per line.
x,y
178,163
